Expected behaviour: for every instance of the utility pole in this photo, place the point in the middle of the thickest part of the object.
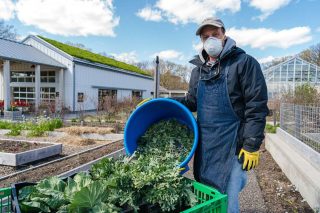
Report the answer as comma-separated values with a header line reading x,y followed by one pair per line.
x,y
156,79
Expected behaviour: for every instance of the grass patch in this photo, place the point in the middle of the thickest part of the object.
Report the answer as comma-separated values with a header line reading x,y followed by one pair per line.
x,y
93,57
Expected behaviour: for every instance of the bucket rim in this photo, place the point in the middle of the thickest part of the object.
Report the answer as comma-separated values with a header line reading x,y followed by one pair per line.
x,y
185,162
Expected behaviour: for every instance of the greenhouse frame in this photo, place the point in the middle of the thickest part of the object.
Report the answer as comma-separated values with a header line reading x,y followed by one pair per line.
x,y
289,74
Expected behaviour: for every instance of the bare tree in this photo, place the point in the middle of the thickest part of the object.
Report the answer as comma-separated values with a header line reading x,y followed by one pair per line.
x,y
312,54
275,62
7,31
183,71
171,81
172,75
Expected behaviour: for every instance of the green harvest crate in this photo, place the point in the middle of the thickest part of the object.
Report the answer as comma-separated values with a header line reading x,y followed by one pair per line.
x,y
5,200
210,200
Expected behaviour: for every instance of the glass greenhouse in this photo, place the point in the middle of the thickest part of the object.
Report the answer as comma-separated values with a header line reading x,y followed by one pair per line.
x,y
289,74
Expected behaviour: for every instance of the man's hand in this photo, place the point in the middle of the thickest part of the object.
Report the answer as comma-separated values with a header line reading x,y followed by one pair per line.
x,y
249,159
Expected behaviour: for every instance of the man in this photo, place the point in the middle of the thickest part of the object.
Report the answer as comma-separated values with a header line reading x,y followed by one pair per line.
x,y
229,93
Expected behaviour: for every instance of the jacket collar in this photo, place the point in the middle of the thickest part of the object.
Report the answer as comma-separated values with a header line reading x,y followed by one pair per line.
x,y
199,60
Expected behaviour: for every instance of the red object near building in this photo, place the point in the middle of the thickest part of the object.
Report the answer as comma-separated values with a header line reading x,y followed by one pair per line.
x,y
20,104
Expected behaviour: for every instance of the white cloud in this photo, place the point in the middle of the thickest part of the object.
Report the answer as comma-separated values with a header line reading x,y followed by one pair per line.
x,y
266,59
267,7
149,14
168,55
21,37
197,47
262,37
69,18
318,29
129,57
6,10
183,12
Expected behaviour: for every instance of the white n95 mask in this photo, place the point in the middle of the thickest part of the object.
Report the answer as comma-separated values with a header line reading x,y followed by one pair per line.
x,y
213,46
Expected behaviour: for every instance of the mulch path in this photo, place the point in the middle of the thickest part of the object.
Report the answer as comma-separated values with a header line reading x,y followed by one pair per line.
x,y
279,194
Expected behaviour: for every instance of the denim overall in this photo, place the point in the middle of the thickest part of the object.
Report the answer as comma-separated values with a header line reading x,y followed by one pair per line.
x,y
218,126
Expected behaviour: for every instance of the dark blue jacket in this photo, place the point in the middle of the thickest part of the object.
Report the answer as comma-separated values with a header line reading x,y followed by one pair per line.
x,y
247,91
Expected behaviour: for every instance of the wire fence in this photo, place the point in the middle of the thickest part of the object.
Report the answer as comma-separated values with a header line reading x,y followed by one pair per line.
x,y
302,122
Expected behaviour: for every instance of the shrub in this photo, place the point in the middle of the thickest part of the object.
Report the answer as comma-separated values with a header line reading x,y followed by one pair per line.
x,y
73,120
6,125
271,129
15,130
36,131
50,125
304,94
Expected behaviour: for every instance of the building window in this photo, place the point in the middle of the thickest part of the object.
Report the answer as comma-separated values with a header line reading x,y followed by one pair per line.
x,y
48,94
48,76
102,93
24,94
136,94
106,98
21,76
29,76
80,97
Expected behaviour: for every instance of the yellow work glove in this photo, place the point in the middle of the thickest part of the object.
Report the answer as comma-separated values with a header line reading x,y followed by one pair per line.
x,y
143,101
249,159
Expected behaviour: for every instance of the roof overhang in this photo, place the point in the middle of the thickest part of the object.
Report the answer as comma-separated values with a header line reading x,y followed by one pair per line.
x,y
109,68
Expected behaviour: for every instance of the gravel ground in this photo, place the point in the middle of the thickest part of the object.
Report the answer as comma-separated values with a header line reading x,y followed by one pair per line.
x,y
251,199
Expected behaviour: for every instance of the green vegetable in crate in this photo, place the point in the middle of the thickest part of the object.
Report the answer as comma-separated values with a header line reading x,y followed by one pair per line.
x,y
80,194
151,176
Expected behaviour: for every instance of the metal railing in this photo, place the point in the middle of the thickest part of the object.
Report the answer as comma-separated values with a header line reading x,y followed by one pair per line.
x,y
302,122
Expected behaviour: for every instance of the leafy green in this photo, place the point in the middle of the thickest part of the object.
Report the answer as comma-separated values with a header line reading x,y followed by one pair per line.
x,y
33,206
150,176
14,131
167,136
36,129
103,208
76,184
92,198
271,129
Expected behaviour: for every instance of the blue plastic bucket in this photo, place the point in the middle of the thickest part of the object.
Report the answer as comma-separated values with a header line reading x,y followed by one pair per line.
x,y
152,112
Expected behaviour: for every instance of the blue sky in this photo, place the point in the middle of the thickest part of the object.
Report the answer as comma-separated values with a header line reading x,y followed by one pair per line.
x,y
137,30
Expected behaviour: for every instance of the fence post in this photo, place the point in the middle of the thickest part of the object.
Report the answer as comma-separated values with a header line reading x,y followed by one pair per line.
x,y
281,115
297,118
275,117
